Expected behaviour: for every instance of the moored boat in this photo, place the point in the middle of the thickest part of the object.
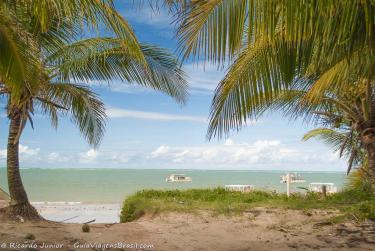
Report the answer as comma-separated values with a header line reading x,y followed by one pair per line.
x,y
178,178
317,187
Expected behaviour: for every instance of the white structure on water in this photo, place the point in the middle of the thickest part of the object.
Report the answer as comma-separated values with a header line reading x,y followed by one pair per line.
x,y
317,187
291,178
178,178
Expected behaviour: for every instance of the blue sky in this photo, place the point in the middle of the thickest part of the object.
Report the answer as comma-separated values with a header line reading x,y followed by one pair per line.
x,y
149,130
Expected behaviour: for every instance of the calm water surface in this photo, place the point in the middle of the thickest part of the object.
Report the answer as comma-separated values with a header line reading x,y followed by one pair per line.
x,y
113,185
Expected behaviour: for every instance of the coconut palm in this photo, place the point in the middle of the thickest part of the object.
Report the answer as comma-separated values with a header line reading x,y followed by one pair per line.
x,y
50,99
55,60
272,45
91,59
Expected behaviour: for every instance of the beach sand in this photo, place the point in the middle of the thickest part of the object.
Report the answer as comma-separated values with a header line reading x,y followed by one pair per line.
x,y
258,229
79,213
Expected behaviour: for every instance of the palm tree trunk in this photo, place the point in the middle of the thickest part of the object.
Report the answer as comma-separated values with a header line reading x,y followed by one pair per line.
x,y
368,140
19,205
371,166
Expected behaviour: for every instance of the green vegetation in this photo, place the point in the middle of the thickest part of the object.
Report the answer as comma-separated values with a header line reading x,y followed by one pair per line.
x,y
85,228
357,203
30,236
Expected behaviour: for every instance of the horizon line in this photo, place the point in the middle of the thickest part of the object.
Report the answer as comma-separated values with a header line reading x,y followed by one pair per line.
x,y
175,169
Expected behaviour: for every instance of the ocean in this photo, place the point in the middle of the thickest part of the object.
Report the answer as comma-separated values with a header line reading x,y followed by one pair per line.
x,y
105,186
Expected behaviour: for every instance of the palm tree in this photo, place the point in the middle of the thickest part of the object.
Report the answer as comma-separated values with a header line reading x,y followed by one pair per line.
x,y
51,99
55,60
272,45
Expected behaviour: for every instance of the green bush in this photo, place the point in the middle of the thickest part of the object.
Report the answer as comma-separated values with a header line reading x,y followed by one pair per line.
x,y
85,228
132,209
363,210
30,236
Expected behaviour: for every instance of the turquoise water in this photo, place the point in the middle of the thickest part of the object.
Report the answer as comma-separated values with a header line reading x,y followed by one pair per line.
x,y
113,185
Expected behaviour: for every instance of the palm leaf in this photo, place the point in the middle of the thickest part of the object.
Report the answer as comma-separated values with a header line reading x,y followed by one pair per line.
x,y
87,110
104,59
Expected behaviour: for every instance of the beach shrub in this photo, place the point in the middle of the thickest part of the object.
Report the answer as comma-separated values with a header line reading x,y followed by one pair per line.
x,y
133,209
85,228
30,236
364,210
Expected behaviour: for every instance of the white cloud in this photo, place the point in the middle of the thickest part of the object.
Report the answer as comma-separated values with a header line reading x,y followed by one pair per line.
x,y
53,156
160,151
3,154
89,156
262,154
228,142
57,157
124,113
26,153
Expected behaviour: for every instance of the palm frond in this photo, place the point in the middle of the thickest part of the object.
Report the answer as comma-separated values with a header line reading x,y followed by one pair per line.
x,y
42,16
19,55
256,78
203,31
212,28
345,143
87,110
104,59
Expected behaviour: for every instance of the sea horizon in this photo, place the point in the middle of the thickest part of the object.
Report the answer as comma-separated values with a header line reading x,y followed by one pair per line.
x,y
182,169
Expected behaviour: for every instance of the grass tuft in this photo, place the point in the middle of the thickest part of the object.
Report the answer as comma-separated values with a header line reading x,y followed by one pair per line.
x,y
85,228
30,236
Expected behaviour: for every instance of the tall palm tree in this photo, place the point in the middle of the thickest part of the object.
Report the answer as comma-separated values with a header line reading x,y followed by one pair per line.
x,y
51,99
271,45
55,60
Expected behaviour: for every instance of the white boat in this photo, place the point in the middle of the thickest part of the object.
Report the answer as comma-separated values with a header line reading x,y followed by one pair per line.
x,y
239,188
317,187
294,178
178,178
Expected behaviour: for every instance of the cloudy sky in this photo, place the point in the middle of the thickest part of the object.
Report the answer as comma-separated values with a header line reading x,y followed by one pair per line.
x,y
149,130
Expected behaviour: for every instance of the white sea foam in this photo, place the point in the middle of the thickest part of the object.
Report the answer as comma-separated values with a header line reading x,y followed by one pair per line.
x,y
56,203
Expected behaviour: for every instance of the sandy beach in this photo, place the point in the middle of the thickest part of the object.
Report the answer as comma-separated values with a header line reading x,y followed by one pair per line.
x,y
257,229
79,213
